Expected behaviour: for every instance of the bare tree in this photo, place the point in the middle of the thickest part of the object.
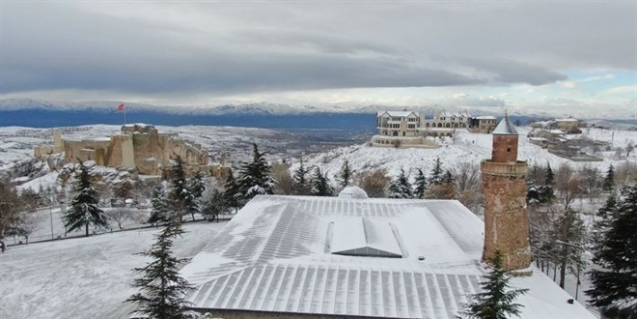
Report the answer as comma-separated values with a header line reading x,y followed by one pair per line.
x,y
373,182
28,224
568,184
468,186
630,147
285,182
119,215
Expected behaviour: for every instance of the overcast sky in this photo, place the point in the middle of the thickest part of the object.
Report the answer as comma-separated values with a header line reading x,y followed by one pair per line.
x,y
521,54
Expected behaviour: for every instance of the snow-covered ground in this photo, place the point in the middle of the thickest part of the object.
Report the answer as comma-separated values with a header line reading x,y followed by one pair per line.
x,y
84,277
467,147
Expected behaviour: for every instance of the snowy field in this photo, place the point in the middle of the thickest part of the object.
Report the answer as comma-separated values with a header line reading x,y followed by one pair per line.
x,y
84,277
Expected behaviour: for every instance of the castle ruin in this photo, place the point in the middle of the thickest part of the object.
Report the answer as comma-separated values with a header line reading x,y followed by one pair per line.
x,y
139,147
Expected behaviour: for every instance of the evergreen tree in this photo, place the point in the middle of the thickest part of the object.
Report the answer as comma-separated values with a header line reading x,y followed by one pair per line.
x,y
179,193
345,176
400,187
421,185
161,211
547,192
614,279
215,206
321,185
496,301
231,192
195,189
255,177
161,289
301,183
436,174
549,177
84,210
609,180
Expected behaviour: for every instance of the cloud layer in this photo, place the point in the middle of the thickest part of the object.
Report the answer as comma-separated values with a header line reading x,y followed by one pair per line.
x,y
159,50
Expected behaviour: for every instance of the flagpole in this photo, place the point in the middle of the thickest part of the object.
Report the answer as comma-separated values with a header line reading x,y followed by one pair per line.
x,y
124,115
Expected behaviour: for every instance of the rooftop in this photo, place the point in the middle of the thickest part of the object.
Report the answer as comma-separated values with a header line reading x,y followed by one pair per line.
x,y
505,127
397,113
352,257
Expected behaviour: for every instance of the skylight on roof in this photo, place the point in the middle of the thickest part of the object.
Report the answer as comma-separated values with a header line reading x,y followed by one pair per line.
x,y
364,237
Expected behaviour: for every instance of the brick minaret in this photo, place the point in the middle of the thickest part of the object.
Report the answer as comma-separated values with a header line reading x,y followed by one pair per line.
x,y
506,221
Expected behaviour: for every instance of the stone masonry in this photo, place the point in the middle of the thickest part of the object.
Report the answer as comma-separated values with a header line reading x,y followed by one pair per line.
x,y
506,219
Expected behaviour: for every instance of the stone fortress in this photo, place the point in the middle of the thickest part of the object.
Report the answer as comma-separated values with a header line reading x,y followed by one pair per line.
x,y
139,147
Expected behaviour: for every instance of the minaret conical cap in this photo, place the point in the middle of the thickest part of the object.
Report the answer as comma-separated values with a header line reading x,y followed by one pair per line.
x,y
505,127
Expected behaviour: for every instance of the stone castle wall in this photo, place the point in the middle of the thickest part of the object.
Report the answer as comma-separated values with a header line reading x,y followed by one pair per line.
x,y
139,146
506,218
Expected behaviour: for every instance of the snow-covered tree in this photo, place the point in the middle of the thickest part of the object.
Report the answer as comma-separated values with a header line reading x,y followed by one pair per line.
x,y
179,193
436,177
255,177
345,175
215,206
614,279
609,180
195,189
301,180
84,210
162,211
231,192
161,289
321,184
420,184
496,301
400,187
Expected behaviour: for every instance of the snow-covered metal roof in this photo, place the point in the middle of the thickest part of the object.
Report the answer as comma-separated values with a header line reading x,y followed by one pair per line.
x,y
505,127
277,255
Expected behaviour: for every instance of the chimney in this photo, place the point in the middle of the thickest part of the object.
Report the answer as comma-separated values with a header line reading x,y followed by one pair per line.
x,y
506,220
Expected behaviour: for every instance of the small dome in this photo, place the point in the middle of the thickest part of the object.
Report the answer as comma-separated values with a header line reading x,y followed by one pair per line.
x,y
353,192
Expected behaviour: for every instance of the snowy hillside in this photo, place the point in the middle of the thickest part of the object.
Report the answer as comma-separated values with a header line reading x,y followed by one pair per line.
x,y
467,147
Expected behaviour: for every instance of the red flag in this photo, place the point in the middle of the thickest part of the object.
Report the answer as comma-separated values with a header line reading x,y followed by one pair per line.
x,y
121,107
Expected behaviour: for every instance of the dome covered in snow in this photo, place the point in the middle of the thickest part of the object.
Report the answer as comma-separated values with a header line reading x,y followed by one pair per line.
x,y
353,192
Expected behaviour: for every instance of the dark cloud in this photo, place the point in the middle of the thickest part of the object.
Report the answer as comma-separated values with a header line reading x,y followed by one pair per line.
x,y
231,48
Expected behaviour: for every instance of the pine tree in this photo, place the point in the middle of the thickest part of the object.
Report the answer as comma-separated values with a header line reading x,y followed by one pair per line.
x,y
179,194
231,192
84,210
345,176
161,211
547,192
161,289
255,178
400,187
614,280
609,180
496,301
549,177
215,206
436,173
195,189
301,183
321,185
421,185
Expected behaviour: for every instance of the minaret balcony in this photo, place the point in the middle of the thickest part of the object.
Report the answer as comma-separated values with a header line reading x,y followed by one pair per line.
x,y
504,168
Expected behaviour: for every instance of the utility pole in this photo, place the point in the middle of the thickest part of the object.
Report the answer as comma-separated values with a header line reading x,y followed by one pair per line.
x,y
51,214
